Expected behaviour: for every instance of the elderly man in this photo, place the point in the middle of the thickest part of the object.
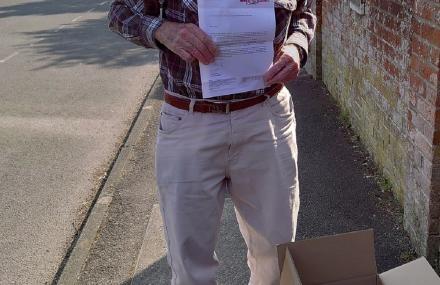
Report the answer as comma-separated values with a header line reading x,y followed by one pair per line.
x,y
244,144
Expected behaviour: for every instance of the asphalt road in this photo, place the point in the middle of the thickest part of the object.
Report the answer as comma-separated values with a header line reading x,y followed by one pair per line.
x,y
69,91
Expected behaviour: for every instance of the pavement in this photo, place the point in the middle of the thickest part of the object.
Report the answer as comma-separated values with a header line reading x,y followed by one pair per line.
x,y
339,185
70,90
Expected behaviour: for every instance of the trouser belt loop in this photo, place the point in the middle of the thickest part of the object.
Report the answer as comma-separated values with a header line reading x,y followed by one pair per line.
x,y
191,105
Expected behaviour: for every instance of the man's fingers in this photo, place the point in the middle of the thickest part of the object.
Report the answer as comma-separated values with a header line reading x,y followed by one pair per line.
x,y
199,50
203,43
273,71
185,55
284,70
205,39
281,77
277,78
187,37
285,75
187,41
198,55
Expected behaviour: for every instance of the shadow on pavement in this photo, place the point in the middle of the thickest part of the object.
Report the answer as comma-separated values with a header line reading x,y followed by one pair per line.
x,y
48,7
87,42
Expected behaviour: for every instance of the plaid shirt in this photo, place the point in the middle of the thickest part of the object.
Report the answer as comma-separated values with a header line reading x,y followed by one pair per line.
x,y
138,20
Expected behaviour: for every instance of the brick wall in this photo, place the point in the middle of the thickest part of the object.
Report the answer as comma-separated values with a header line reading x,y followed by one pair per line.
x,y
423,106
383,69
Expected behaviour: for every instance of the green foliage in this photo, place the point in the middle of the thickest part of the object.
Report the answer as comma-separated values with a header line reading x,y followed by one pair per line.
x,y
385,184
344,116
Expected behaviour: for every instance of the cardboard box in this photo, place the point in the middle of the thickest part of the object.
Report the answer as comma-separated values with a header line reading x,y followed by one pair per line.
x,y
346,259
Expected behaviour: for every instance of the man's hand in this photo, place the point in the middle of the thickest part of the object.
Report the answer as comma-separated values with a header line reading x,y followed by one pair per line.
x,y
187,41
286,68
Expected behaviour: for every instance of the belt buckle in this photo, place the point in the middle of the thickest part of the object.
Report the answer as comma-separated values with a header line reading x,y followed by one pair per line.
x,y
216,107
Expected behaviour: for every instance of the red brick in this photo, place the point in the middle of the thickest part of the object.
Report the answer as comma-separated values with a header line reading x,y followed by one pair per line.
x,y
427,11
419,48
417,84
388,36
394,8
391,22
384,47
414,64
390,7
391,68
427,32
428,72
416,26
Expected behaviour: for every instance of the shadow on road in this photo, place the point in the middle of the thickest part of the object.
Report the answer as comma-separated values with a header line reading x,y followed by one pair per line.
x,y
47,8
86,42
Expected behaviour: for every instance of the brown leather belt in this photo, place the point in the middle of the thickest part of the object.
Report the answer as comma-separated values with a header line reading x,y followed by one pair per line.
x,y
218,107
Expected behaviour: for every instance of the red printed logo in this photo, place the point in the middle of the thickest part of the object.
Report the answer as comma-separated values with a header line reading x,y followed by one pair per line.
x,y
250,2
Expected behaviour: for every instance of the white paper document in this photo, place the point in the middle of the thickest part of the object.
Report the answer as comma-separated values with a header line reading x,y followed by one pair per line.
x,y
244,31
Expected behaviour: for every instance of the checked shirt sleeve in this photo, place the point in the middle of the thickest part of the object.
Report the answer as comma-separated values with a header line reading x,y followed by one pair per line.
x,y
302,28
135,22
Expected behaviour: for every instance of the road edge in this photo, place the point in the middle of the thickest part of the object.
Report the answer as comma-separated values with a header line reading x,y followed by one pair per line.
x,y
70,268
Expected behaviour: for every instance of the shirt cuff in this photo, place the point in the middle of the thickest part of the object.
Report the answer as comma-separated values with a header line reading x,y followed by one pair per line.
x,y
149,27
301,42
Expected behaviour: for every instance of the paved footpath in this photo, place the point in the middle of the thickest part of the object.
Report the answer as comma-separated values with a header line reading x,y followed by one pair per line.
x,y
339,193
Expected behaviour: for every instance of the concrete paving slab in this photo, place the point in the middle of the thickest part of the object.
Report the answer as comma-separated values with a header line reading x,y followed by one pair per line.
x,y
154,247
153,269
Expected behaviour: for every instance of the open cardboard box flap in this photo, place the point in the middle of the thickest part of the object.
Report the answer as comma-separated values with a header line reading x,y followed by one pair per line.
x,y
418,271
346,259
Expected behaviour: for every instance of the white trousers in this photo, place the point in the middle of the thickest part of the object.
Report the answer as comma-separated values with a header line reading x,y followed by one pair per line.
x,y
252,153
